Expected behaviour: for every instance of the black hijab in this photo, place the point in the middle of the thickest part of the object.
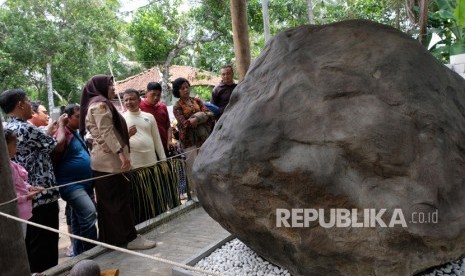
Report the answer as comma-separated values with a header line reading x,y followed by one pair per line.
x,y
96,90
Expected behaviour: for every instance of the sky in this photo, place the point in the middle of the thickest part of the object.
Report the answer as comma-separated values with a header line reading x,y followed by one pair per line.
x,y
126,5
131,5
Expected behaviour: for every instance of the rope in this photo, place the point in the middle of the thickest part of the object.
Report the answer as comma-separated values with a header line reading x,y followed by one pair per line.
x,y
98,177
106,245
9,201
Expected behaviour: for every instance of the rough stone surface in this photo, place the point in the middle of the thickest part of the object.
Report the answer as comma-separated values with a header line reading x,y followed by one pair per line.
x,y
351,115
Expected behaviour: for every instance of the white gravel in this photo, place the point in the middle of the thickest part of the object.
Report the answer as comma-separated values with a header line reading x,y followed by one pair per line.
x,y
452,268
236,259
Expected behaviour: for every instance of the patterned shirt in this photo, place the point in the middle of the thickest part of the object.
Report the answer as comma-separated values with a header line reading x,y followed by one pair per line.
x,y
33,153
188,135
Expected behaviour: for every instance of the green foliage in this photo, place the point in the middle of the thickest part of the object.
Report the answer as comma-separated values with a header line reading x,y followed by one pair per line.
x,y
459,18
459,13
9,73
375,10
81,38
78,38
208,17
204,92
284,14
154,30
214,15
447,21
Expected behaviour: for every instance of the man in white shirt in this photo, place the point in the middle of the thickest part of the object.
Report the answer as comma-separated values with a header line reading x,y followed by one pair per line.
x,y
145,141
149,193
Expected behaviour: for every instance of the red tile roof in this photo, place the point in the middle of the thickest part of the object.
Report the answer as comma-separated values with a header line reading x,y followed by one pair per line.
x,y
195,77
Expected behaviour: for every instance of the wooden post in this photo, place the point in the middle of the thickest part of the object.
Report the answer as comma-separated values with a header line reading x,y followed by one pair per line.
x,y
13,256
240,28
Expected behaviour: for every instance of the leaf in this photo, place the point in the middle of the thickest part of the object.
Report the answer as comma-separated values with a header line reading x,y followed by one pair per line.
x,y
459,13
457,48
155,189
76,37
445,6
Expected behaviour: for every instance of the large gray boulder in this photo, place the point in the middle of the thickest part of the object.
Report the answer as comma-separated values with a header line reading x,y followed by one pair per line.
x,y
353,116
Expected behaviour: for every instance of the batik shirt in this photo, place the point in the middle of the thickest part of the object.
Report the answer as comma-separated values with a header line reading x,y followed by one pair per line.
x,y
182,112
33,153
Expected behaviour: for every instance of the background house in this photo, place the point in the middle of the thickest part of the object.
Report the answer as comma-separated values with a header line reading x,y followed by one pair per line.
x,y
195,76
202,82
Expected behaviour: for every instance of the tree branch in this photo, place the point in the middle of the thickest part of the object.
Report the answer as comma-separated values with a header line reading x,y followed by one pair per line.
x,y
180,44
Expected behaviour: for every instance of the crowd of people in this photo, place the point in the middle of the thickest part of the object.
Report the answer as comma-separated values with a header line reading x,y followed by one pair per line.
x,y
89,157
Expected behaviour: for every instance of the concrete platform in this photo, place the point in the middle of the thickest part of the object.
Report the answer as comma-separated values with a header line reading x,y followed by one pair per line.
x,y
183,232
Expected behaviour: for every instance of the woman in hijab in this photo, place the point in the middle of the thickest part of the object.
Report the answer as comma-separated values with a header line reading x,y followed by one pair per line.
x,y
110,155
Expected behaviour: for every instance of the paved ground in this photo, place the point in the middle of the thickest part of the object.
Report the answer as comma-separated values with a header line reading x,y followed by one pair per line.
x,y
63,242
177,240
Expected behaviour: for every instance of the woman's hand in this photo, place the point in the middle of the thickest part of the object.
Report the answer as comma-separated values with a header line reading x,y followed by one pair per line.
x,y
172,146
33,192
193,121
63,120
125,162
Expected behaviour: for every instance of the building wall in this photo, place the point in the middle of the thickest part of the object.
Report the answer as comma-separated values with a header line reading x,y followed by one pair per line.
x,y
457,64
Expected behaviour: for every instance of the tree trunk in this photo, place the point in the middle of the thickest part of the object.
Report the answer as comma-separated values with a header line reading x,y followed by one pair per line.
x,y
311,15
266,20
165,72
13,256
181,43
241,36
422,22
51,105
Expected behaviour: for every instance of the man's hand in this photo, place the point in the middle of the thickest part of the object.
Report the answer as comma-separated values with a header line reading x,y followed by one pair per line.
x,y
52,128
132,130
